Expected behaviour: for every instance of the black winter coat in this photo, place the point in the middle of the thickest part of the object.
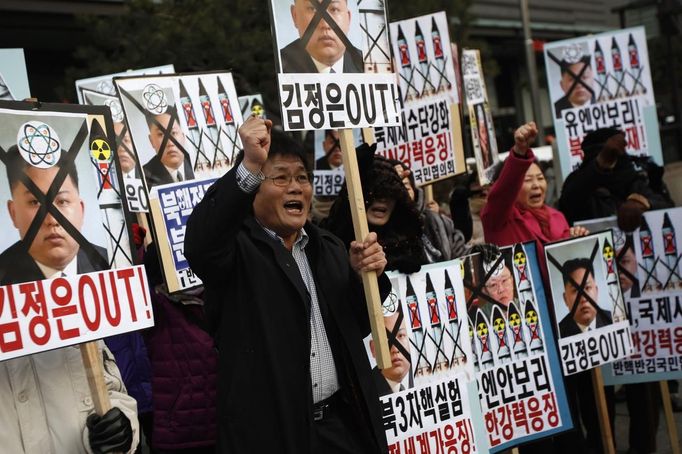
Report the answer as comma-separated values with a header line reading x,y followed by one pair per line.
x,y
256,296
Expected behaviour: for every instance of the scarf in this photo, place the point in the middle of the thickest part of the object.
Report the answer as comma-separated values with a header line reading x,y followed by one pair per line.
x,y
542,215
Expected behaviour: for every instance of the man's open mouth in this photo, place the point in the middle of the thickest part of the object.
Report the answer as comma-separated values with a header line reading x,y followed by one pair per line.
x,y
294,207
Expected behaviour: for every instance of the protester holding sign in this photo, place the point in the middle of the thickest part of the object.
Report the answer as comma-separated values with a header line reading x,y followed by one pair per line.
x,y
46,404
516,211
608,182
293,375
391,214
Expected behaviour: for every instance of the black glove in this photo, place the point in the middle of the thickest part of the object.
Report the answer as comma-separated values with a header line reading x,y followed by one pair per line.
x,y
109,433
365,157
630,215
489,251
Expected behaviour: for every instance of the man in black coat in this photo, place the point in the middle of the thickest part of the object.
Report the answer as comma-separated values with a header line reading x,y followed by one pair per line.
x,y
52,248
288,309
608,182
325,51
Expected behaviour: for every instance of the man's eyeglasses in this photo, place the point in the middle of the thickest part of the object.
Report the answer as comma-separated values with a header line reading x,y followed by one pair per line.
x,y
283,180
500,285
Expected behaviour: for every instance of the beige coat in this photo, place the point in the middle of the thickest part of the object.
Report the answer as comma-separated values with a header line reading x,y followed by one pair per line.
x,y
45,399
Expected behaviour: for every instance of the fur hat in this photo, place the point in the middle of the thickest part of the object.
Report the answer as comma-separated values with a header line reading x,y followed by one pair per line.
x,y
594,141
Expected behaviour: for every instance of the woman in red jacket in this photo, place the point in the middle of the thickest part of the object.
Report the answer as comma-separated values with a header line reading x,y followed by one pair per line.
x,y
516,211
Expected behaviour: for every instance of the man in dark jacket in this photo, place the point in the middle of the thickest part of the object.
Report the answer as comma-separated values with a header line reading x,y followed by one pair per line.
x,y
293,373
608,182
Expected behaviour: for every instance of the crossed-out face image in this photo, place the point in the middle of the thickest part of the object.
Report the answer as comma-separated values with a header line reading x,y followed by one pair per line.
x,y
575,77
318,36
53,225
584,284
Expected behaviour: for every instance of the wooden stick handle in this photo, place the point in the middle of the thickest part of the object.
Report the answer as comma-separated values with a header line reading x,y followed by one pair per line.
x,y
428,193
369,279
602,411
669,417
94,369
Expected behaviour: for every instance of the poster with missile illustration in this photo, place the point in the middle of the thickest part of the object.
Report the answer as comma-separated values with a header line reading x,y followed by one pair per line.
x,y
480,119
516,364
184,132
64,232
602,81
427,331
334,65
13,75
588,302
101,91
650,278
426,140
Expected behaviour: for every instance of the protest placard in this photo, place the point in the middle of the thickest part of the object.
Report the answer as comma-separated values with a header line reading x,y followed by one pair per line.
x,y
602,81
516,364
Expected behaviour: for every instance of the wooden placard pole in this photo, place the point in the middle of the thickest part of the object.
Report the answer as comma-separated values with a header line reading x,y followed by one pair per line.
x,y
602,411
95,373
428,193
669,418
369,279
457,141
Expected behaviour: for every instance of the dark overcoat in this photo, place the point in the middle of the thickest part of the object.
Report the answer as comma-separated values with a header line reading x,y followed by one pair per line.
x,y
257,298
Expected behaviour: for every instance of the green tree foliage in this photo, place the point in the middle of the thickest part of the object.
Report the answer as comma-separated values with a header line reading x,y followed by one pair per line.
x,y
206,35
194,35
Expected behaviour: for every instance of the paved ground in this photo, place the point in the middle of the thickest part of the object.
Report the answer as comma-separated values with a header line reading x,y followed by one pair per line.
x,y
662,440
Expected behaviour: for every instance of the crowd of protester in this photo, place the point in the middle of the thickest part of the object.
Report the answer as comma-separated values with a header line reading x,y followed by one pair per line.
x,y
242,353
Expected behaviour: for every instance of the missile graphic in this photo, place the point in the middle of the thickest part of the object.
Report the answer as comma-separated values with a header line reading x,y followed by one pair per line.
x,y
195,135
670,251
102,156
602,77
533,324
472,339
482,336
423,367
211,130
230,129
439,55
638,88
406,69
441,362
423,59
617,62
500,330
458,354
516,326
609,256
646,244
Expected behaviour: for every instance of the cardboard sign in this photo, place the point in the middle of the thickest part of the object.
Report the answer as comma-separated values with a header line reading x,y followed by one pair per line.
x,y
334,65
44,315
428,397
426,139
65,224
517,368
589,309
101,91
480,118
649,267
602,81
